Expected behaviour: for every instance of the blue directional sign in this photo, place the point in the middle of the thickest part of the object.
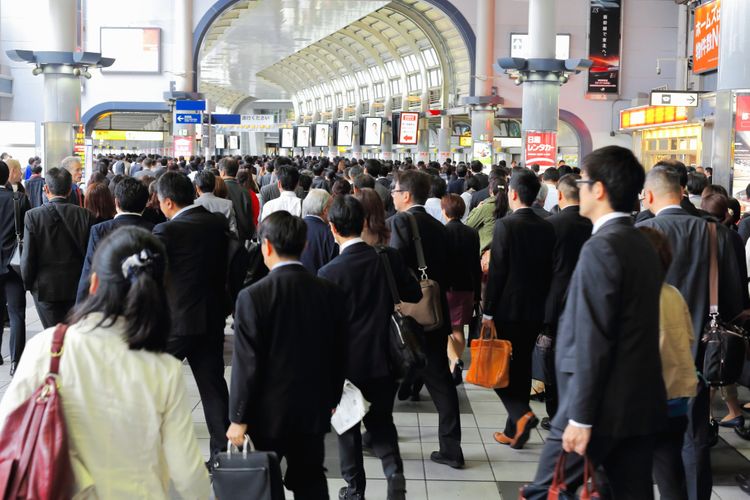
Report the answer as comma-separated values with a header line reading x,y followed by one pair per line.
x,y
188,106
187,118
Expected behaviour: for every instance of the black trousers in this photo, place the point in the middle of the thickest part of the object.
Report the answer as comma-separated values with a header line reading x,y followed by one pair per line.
x,y
669,472
627,464
516,396
13,294
305,473
383,435
696,451
52,313
205,355
439,382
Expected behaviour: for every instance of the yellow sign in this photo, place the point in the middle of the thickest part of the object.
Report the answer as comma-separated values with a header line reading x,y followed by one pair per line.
x,y
127,135
465,141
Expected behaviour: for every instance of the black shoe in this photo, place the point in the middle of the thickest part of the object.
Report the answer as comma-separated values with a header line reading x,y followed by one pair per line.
x,y
13,365
439,458
2,361
404,390
738,421
346,494
545,424
714,433
397,487
744,433
458,378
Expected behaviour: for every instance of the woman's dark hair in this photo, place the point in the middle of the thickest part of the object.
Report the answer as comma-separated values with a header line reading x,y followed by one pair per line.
x,y
735,211
500,190
341,188
454,206
347,215
718,206
438,187
473,183
374,213
246,179
661,244
97,177
130,265
99,201
714,189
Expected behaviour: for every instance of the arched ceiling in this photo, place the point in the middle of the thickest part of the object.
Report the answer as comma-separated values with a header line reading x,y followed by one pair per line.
x,y
291,49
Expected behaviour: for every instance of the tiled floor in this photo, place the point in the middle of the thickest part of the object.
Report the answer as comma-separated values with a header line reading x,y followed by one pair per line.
x,y
492,471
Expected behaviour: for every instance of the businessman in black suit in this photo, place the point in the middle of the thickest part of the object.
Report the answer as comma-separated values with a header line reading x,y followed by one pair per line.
x,y
54,249
35,187
243,205
571,231
196,241
131,197
321,248
288,365
681,171
458,185
520,272
688,238
612,396
410,194
368,313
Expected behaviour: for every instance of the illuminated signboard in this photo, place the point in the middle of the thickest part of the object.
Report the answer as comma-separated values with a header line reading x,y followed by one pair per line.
x,y
344,133
706,37
126,135
650,116
303,137
372,131
234,142
220,141
464,141
408,125
321,135
287,138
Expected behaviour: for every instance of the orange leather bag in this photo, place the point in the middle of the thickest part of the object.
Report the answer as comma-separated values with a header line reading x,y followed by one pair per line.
x,y
490,360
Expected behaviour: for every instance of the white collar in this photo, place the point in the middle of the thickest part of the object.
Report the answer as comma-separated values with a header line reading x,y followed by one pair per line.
x,y
288,193
668,207
287,263
127,213
349,243
184,209
207,195
606,218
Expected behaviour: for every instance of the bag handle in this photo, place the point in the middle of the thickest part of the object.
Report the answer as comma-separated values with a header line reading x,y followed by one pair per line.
x,y
492,335
559,477
389,274
248,444
713,271
590,489
57,348
17,214
421,263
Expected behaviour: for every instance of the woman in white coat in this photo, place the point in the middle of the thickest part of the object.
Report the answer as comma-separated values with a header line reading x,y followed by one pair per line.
x,y
128,421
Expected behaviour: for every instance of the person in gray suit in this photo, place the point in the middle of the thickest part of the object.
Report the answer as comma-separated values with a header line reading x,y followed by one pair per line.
x,y
688,237
205,182
608,367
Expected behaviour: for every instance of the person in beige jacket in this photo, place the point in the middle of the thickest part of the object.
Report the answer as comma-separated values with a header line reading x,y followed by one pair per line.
x,y
129,426
680,379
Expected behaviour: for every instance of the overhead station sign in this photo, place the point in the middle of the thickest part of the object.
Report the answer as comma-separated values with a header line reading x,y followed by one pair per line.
x,y
189,112
706,37
674,98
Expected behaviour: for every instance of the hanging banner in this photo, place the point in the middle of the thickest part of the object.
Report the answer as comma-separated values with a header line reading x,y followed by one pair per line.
x,y
741,163
483,153
604,48
706,37
541,148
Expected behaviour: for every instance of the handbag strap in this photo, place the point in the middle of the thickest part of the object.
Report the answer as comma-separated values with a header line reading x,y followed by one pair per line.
x,y
590,489
59,220
389,274
17,214
713,270
559,478
421,263
57,348
493,332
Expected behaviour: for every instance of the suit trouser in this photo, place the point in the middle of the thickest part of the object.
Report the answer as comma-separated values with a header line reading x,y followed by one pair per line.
x,y
11,288
52,313
696,451
669,472
516,396
626,462
439,382
305,473
383,435
205,355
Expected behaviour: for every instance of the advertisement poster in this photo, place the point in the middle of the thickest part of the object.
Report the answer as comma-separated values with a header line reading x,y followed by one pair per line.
x,y
287,138
234,142
220,141
604,47
183,146
321,135
303,137
541,148
373,127
408,126
483,153
344,133
706,37
741,174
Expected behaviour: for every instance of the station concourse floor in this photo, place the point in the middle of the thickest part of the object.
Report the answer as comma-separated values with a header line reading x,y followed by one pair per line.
x,y
492,471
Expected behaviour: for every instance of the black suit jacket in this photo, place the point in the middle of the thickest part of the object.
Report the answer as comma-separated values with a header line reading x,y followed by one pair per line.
x,y
484,180
8,225
571,232
288,365
465,270
53,255
196,242
520,268
321,248
688,237
479,197
433,235
35,191
243,209
368,306
607,354
98,233
743,228
457,186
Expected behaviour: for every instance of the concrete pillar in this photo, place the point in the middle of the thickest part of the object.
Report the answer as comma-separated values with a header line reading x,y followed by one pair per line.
x,y
444,139
423,140
356,139
388,125
182,48
485,47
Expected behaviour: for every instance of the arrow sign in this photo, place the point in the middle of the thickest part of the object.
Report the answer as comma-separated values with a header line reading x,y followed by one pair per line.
x,y
674,98
187,118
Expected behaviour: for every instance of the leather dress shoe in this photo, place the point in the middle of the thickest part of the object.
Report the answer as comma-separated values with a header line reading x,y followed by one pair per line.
x,y
523,430
13,365
545,424
396,487
439,458
744,433
457,374
501,438
2,361
346,494
738,421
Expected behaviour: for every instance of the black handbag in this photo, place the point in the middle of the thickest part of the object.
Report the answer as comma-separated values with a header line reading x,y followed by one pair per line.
x,y
543,359
15,258
251,475
406,336
724,344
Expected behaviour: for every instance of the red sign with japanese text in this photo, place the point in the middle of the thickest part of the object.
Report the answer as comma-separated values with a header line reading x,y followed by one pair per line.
x,y
541,148
742,123
706,37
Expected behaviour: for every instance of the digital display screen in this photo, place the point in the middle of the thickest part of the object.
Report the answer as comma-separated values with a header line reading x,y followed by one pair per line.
x,y
344,133
408,126
303,137
372,132
287,138
321,135
234,142
220,141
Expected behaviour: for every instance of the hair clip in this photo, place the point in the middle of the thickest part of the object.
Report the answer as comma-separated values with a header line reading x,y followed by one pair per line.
x,y
133,264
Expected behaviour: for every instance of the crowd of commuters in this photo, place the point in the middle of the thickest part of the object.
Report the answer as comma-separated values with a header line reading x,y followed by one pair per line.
x,y
610,262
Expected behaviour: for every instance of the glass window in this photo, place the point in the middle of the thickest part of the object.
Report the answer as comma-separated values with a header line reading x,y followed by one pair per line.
x,y
436,77
349,81
414,82
350,97
328,101
410,63
361,77
393,68
396,86
377,75
339,99
430,57
363,94
318,103
378,89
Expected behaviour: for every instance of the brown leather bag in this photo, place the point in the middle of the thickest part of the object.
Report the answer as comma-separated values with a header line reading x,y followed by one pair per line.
x,y
490,360
428,312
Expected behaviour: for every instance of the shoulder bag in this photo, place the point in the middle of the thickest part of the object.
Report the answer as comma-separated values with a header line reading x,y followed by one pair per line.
x,y
58,220
34,457
405,339
15,259
490,360
724,344
428,312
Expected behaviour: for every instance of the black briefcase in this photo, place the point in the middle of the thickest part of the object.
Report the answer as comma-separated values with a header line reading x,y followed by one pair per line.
x,y
247,475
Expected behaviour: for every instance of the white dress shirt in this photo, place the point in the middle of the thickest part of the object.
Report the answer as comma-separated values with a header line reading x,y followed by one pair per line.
x,y
287,200
432,206
551,200
668,207
606,218
349,243
129,425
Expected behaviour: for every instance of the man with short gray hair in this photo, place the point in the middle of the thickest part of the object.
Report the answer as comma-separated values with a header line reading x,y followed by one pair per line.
x,y
73,165
321,248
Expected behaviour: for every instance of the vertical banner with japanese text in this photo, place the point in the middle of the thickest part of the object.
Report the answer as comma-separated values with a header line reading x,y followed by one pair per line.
x,y
741,163
541,148
706,37
604,48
